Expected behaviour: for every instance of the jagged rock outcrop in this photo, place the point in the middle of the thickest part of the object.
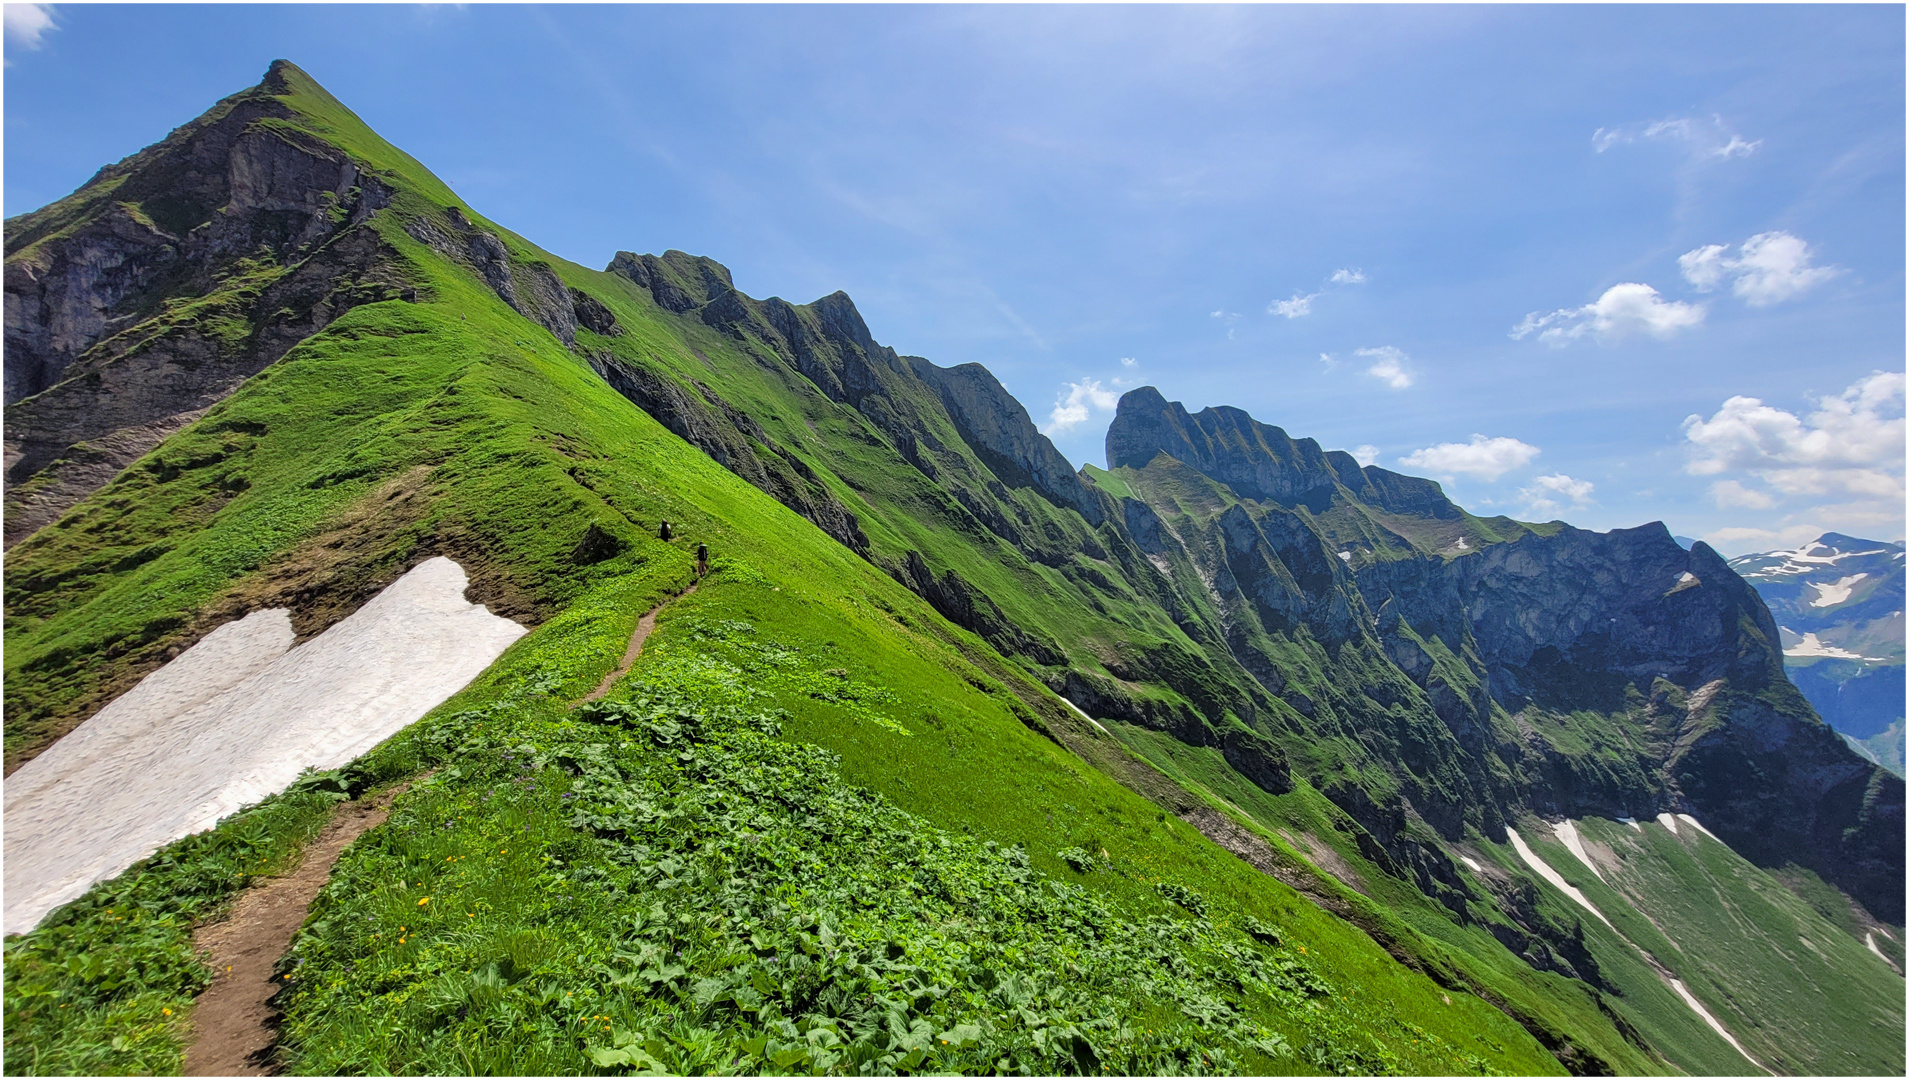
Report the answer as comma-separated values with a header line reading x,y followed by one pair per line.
x,y
1667,663
738,443
1001,432
532,289
1258,461
167,281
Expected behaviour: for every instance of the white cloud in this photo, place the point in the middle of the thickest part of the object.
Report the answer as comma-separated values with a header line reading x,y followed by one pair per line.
x,y
1729,494
1549,494
1771,267
1346,276
28,24
1623,310
1487,459
1676,128
1705,267
1851,446
1129,362
1326,358
1388,366
1300,304
1071,407
1707,138
1365,453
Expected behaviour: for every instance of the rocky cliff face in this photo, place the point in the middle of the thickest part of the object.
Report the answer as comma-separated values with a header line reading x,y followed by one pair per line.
x,y
168,280
1521,650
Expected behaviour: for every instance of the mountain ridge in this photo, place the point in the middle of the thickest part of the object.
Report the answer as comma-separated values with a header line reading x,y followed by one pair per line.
x,y
1346,641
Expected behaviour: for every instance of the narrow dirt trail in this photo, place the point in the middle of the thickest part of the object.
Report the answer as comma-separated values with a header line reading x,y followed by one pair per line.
x,y
234,1027
644,626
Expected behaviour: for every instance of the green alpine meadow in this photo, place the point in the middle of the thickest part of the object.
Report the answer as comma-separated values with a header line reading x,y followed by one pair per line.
x,y
842,726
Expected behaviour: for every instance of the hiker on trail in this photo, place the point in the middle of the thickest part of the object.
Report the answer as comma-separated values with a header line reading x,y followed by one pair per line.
x,y
663,532
702,559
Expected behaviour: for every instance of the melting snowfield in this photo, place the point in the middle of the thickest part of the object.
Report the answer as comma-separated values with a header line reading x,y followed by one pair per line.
x,y
230,721
1831,595
1697,1007
1084,716
1810,646
1556,879
1567,834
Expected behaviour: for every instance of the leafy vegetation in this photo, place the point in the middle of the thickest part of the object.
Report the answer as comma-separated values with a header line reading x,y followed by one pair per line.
x,y
819,827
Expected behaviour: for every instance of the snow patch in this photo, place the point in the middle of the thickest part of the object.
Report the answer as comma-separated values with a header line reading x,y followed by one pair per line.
x,y
1698,1008
1668,822
1699,826
1347,556
1832,594
1084,716
1567,833
1685,580
1471,862
1632,822
233,719
1810,646
1544,871
1869,939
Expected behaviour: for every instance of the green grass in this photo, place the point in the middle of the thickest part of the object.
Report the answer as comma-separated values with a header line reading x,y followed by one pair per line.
x,y
916,802
520,448
662,882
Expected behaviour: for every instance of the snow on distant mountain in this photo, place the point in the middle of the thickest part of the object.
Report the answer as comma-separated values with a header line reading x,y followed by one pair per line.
x,y
1838,601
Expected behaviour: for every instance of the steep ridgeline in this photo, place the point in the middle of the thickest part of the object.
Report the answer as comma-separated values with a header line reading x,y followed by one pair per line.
x,y
272,361
169,279
1430,671
1838,604
1493,668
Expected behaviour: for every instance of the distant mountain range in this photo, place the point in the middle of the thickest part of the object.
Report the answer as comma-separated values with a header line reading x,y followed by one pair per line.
x,y
1838,603
1234,756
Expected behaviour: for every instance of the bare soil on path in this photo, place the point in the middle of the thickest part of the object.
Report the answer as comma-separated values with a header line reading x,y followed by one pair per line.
x,y
644,626
234,1026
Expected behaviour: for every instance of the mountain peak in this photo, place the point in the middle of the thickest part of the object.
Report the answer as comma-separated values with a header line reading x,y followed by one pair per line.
x,y
1256,460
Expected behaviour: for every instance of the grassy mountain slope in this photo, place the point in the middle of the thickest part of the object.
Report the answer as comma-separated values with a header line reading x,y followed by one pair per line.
x,y
904,576
454,425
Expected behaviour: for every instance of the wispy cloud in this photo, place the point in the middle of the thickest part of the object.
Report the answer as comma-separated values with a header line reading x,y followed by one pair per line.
x,y
1300,304
1327,359
1487,459
1707,137
1731,494
1768,268
1389,366
1550,494
28,24
1365,453
1623,310
1072,406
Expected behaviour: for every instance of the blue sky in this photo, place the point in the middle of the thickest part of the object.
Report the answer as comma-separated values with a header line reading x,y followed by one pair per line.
x,y
1612,264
